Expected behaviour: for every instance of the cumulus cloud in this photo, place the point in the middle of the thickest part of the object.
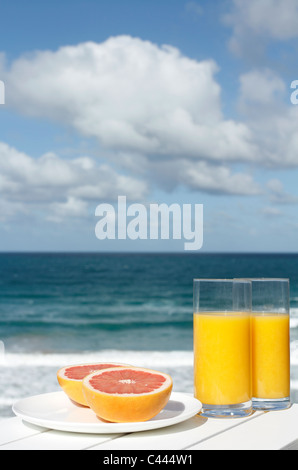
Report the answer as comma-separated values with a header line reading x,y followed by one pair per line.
x,y
271,212
206,178
219,180
254,22
278,195
156,113
262,87
264,97
264,100
62,188
132,95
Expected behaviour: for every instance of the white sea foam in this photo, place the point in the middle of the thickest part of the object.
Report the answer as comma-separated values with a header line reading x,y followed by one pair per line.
x,y
139,358
25,375
293,322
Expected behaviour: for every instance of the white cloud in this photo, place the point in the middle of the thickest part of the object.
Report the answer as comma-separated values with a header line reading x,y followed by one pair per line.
x,y
206,178
72,207
132,95
59,187
278,195
262,87
159,115
264,100
219,179
271,212
255,21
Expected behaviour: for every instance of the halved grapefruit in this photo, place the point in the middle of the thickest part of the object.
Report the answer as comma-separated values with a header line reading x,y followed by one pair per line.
x,y
127,394
70,378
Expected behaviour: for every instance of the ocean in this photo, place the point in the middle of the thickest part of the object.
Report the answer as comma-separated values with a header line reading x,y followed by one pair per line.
x,y
68,308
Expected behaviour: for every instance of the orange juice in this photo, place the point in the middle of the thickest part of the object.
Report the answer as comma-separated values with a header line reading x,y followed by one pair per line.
x,y
222,362
270,355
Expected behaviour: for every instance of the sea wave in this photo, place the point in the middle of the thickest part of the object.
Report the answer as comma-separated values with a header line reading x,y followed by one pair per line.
x,y
30,374
138,358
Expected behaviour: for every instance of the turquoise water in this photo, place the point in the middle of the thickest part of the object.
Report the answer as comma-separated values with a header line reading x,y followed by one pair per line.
x,y
74,302
68,308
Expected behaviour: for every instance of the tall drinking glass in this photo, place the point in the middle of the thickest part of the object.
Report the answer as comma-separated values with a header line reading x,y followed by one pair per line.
x,y
270,344
222,352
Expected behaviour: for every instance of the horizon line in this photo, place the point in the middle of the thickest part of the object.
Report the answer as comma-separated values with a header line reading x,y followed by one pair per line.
x,y
188,253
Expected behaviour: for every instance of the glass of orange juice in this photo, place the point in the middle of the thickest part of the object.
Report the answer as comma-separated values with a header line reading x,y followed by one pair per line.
x,y
222,347
270,344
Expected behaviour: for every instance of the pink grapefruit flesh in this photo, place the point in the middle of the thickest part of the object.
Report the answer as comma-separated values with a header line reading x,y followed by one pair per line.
x,y
70,378
127,394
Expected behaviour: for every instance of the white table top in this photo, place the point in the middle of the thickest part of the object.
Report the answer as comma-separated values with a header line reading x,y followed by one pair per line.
x,y
273,430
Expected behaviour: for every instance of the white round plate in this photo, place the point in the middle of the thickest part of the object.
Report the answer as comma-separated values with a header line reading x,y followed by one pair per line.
x,y
56,411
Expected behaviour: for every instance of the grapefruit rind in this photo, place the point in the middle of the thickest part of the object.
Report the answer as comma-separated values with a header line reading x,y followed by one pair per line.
x,y
127,407
73,386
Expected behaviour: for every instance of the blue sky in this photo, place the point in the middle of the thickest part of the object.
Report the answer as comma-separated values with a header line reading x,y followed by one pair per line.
x,y
163,101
